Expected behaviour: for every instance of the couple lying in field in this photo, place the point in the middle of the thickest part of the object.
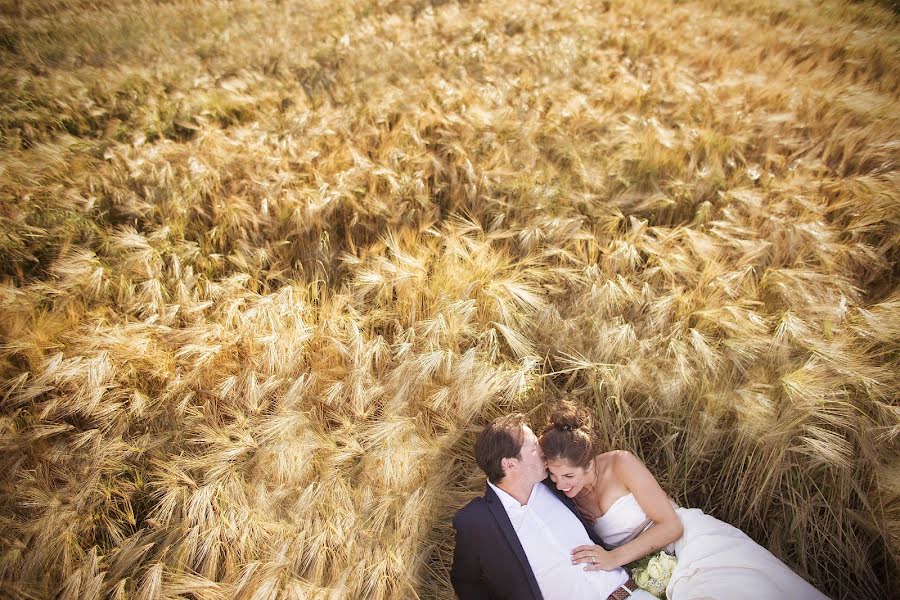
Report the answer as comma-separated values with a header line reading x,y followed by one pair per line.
x,y
568,535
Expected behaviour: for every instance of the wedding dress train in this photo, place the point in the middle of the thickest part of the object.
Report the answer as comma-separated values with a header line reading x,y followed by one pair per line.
x,y
715,560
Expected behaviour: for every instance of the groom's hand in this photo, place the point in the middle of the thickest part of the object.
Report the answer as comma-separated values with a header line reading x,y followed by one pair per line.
x,y
595,557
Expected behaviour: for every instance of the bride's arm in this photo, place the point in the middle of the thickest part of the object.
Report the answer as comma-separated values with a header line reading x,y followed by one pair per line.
x,y
653,500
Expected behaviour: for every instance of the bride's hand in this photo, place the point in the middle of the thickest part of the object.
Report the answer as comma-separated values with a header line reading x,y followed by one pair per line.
x,y
595,557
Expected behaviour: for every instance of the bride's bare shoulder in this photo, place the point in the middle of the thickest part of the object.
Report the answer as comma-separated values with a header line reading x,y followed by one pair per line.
x,y
611,458
618,459
615,455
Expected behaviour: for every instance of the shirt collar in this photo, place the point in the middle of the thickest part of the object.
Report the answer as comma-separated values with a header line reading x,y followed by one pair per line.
x,y
508,501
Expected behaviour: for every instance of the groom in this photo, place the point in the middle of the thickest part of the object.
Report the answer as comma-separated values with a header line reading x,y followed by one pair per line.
x,y
515,542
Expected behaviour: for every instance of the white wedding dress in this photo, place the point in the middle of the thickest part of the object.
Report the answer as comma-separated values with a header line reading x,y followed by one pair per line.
x,y
715,560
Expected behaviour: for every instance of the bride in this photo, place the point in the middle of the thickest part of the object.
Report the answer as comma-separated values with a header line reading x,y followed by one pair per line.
x,y
628,509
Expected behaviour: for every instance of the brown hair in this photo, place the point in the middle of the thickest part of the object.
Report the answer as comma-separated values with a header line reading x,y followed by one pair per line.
x,y
569,435
501,438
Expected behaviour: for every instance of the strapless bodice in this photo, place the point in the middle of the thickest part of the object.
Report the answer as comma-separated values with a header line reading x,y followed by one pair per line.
x,y
622,522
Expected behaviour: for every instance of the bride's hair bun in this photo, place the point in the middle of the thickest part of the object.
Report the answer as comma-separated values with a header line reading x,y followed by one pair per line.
x,y
569,435
568,416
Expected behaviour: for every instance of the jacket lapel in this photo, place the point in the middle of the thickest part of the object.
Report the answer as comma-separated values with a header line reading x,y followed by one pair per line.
x,y
509,533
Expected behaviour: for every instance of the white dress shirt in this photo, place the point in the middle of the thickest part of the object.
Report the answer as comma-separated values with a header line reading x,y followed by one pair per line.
x,y
548,532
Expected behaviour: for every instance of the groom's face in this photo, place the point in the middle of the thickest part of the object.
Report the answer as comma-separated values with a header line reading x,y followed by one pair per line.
x,y
531,460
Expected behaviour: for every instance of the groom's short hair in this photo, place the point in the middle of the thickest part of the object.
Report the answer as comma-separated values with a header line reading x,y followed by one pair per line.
x,y
501,438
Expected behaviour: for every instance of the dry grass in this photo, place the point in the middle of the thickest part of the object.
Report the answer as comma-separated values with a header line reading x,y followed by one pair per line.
x,y
266,267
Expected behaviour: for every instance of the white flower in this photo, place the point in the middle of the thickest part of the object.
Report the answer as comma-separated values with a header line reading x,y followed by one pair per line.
x,y
655,569
668,563
655,576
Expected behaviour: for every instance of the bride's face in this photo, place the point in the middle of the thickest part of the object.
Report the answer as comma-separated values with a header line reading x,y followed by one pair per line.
x,y
569,479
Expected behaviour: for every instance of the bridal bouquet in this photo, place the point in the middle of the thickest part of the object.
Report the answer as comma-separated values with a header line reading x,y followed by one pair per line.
x,y
654,576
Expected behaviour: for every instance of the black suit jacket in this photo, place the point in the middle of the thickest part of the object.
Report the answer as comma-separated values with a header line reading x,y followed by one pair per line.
x,y
489,562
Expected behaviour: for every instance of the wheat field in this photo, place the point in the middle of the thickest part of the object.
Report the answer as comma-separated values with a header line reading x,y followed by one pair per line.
x,y
267,267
